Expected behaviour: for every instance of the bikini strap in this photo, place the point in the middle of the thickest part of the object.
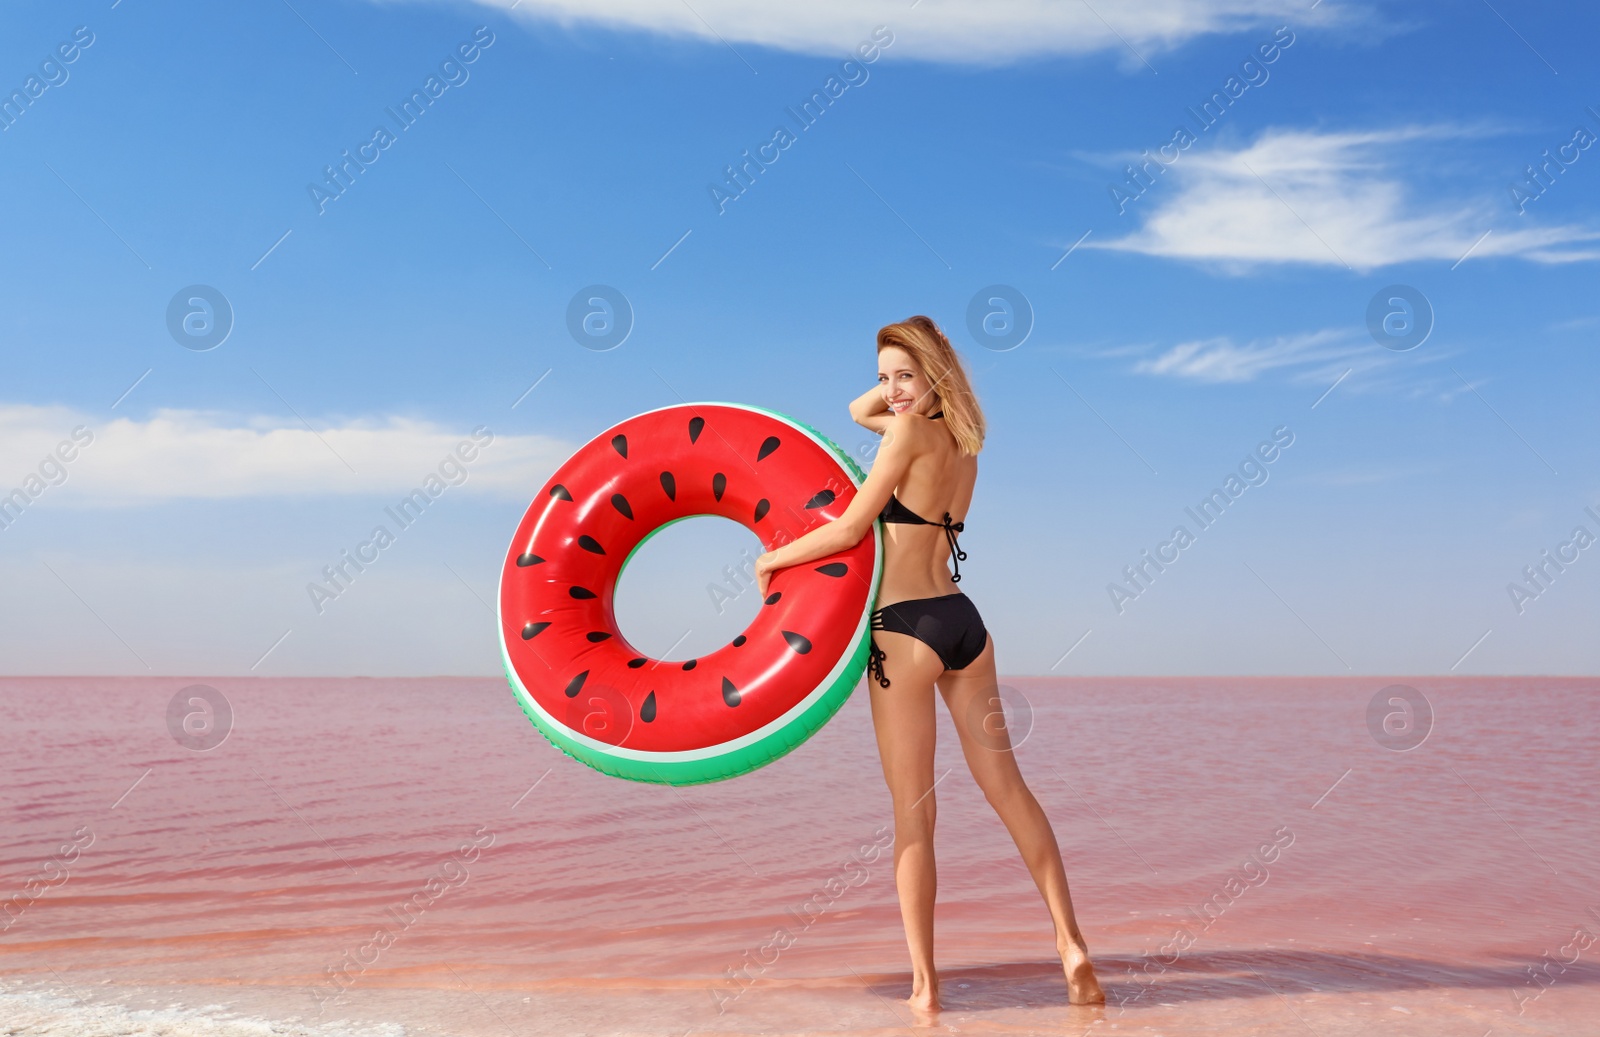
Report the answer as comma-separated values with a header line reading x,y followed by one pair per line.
x,y
956,554
951,529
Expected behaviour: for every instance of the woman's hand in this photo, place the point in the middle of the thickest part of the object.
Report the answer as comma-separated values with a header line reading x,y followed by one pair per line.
x,y
765,566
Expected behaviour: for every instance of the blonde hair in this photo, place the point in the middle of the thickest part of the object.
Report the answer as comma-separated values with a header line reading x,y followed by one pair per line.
x,y
931,351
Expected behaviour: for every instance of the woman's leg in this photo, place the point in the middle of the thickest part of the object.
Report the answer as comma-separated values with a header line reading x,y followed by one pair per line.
x,y
902,716
972,695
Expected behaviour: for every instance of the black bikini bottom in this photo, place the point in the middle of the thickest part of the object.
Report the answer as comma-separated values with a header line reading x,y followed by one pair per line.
x,y
949,624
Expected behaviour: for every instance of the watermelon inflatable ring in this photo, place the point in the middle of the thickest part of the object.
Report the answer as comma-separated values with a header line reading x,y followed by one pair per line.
x,y
684,722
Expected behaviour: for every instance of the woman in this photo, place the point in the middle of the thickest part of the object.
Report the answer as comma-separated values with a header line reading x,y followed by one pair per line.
x,y
928,634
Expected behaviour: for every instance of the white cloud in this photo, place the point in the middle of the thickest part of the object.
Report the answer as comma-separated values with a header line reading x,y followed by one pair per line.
x,y
1327,199
1315,358
1220,359
192,454
957,31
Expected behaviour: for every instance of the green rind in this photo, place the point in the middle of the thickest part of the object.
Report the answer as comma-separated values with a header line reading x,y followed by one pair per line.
x,y
747,758
718,768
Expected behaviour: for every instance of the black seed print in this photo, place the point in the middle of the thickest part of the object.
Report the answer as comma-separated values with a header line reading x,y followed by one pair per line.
x,y
730,694
596,636
772,599
533,629
581,592
590,544
821,500
619,443
798,642
576,684
719,485
767,446
695,425
647,712
634,664
670,485
620,502
762,507
528,558
740,640
691,664
560,492
833,569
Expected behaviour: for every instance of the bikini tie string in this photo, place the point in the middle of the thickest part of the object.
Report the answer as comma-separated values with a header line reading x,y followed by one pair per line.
x,y
875,658
950,531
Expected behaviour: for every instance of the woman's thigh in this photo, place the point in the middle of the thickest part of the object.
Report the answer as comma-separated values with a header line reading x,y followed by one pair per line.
x,y
972,695
903,718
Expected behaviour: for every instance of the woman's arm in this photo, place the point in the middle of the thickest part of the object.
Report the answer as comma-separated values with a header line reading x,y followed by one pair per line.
x,y
844,532
871,410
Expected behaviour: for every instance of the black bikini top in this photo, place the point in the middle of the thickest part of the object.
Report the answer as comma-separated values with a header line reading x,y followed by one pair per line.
x,y
894,511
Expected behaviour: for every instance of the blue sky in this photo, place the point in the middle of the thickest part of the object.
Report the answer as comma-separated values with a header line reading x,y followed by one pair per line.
x,y
374,330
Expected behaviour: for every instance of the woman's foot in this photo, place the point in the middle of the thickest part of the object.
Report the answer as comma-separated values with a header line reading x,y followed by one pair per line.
x,y
924,999
1083,988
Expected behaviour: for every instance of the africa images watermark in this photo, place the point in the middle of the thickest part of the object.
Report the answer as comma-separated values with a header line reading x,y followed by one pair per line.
x,y
1253,471
451,874
52,873
52,73
1212,109
452,471
1542,975
743,578
1542,574
738,180
1539,179
737,581
754,963
336,180
52,472
1252,873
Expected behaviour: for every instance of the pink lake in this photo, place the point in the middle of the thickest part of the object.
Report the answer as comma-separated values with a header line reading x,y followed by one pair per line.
x,y
158,890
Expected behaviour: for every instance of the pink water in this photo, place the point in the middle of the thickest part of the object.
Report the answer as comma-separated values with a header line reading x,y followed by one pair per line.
x,y
215,896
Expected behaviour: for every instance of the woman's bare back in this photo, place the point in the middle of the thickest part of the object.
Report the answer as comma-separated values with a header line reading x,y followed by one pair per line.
x,y
940,479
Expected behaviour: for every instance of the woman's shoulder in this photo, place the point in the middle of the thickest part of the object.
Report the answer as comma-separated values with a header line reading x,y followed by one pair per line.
x,y
913,433
927,432
912,421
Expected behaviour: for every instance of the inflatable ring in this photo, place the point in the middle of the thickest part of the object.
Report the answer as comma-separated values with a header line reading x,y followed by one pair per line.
x,y
684,722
